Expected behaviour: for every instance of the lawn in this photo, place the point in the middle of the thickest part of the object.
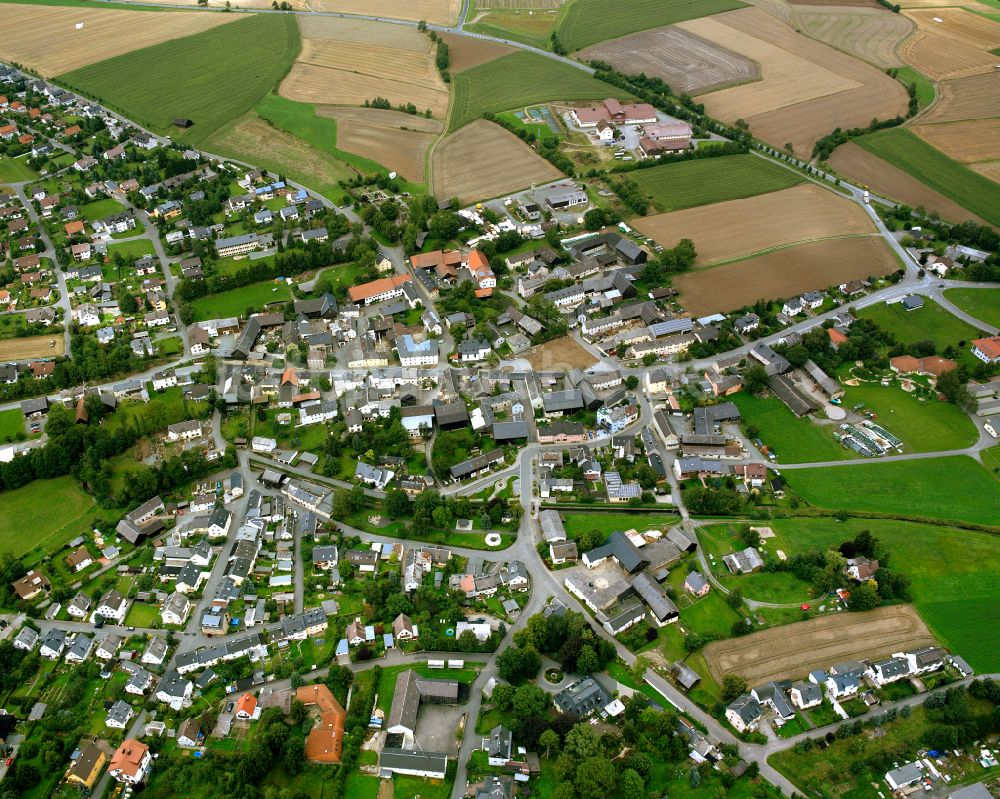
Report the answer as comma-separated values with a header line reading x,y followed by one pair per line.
x,y
904,149
130,250
519,25
44,514
927,425
11,423
16,170
672,187
142,615
588,22
226,71
929,323
981,304
954,574
236,301
607,523
518,80
924,85
991,460
99,209
792,439
952,488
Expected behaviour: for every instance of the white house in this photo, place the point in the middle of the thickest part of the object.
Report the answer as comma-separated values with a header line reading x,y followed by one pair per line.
x,y
744,713
119,715
264,445
112,606
131,762
175,609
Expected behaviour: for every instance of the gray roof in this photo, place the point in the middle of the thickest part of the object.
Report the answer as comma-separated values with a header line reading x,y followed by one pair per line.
x,y
500,741
569,400
410,760
975,791
747,708
685,675
508,431
621,549
410,689
582,697
809,691
661,606
552,526
906,774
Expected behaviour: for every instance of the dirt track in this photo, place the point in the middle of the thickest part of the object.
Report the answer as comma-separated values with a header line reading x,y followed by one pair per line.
x,y
794,650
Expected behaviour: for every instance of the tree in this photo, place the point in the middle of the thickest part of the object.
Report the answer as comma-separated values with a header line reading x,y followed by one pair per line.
x,y
631,785
549,740
341,505
516,664
586,661
299,712
396,504
529,700
865,597
755,380
581,743
694,777
631,382
733,686
595,778
735,598
503,696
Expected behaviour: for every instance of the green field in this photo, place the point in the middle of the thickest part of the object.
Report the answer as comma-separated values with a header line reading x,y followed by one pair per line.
x,y
608,523
672,187
922,425
925,86
16,170
954,574
130,250
793,440
11,423
98,209
953,488
519,25
904,149
44,513
981,304
236,301
931,322
211,77
588,22
518,80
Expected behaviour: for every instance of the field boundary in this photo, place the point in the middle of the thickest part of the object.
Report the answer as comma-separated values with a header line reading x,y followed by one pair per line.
x,y
787,246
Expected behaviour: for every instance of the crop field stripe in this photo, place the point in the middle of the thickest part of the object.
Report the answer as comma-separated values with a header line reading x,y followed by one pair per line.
x,y
212,77
673,187
779,247
909,152
518,80
588,22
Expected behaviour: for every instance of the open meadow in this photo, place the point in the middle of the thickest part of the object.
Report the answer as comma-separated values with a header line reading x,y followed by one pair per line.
x,y
783,273
16,170
517,80
863,167
235,302
930,322
529,26
954,575
806,89
792,651
396,140
588,22
482,161
792,438
904,149
802,213
47,40
349,62
673,187
226,71
981,304
871,34
954,488
688,63
44,514
45,346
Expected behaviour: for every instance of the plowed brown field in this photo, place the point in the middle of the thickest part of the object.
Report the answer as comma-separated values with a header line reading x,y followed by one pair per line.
x,y
482,160
796,649
783,273
975,97
686,62
466,52
863,167
396,140
807,88
798,214
45,38
869,33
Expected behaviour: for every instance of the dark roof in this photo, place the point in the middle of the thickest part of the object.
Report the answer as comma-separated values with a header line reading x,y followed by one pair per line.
x,y
621,549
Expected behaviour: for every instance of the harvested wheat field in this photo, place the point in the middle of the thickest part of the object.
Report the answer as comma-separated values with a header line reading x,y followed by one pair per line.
x,y
959,24
686,62
346,62
19,349
801,213
844,3
438,12
975,97
861,166
968,141
512,5
559,355
297,5
871,34
783,273
396,140
807,88
988,169
796,649
45,38
466,52
482,160
944,58
778,9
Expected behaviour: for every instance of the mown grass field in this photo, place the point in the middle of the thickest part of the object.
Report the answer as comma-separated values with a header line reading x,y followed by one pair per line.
x,y
236,301
955,488
905,150
672,187
98,209
131,250
608,523
923,84
16,170
211,77
519,26
11,423
929,323
982,304
954,574
793,440
44,513
588,22
518,80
